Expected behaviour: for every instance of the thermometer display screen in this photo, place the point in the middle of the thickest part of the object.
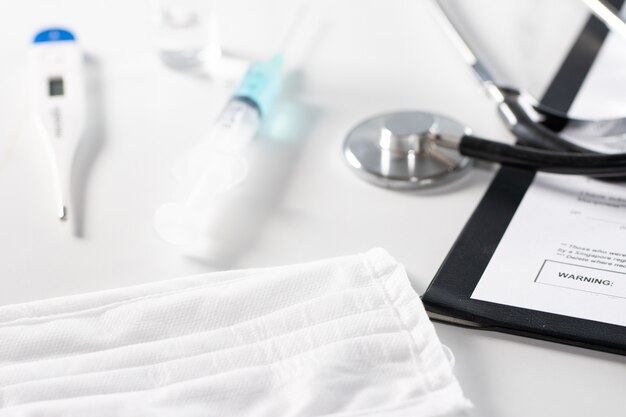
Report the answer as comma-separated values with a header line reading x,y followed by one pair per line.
x,y
55,86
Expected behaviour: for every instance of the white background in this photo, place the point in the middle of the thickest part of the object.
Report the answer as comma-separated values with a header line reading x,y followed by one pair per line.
x,y
366,57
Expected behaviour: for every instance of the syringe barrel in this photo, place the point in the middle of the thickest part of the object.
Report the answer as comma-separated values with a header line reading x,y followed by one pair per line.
x,y
251,101
262,83
235,126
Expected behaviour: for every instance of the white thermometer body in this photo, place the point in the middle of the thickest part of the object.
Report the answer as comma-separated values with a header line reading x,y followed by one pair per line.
x,y
58,97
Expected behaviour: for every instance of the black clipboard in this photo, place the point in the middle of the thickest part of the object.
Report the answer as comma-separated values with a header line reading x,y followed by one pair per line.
x,y
447,299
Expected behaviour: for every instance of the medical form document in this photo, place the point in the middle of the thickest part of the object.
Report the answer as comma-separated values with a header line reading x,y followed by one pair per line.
x,y
564,251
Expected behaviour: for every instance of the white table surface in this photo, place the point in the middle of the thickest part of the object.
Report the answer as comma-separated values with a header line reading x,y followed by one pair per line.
x,y
366,57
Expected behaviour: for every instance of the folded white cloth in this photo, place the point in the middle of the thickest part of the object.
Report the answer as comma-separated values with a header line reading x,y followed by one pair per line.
x,y
341,337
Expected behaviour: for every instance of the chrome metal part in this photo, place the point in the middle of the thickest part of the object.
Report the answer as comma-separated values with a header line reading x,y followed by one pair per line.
x,y
407,150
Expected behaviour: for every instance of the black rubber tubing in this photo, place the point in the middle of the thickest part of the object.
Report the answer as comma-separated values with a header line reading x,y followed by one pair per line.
x,y
597,165
534,135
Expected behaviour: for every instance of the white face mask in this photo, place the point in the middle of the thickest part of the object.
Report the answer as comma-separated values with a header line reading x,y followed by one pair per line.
x,y
345,336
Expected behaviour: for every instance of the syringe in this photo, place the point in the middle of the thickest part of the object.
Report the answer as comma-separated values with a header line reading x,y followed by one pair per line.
x,y
217,165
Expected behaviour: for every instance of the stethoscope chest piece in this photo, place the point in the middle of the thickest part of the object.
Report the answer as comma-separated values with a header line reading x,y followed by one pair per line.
x,y
400,150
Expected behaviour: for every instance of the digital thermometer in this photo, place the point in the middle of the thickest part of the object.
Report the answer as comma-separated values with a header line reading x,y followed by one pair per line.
x,y
58,98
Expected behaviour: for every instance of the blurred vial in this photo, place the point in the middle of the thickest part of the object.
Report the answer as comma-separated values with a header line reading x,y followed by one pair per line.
x,y
187,34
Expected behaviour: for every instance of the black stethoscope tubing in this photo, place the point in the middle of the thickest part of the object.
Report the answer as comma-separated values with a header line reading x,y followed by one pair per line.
x,y
539,148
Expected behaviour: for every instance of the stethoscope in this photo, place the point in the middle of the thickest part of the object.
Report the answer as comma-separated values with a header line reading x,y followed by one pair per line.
x,y
411,149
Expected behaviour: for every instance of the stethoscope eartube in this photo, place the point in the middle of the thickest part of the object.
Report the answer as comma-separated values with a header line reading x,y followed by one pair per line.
x,y
412,150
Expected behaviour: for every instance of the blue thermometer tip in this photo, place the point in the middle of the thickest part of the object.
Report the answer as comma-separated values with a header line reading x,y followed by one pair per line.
x,y
54,35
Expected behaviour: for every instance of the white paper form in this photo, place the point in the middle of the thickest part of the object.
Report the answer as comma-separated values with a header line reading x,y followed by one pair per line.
x,y
564,251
